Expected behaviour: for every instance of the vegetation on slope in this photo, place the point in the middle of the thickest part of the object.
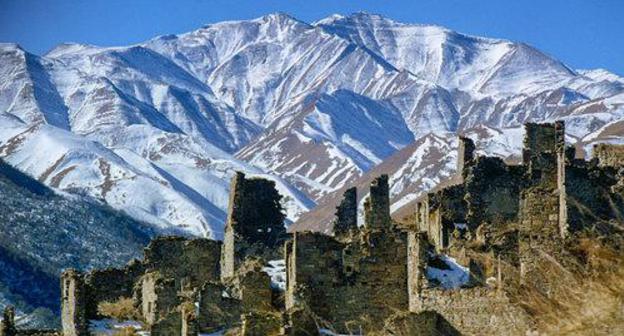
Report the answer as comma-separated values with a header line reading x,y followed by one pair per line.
x,y
42,233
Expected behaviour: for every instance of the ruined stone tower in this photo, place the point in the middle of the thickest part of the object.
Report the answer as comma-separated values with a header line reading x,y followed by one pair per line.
x,y
73,304
255,222
465,155
417,246
543,202
353,281
377,205
346,213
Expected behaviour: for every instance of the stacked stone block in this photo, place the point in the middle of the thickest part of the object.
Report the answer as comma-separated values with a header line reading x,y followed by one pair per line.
x,y
476,311
377,205
73,304
109,285
363,278
465,155
346,213
159,297
193,261
255,223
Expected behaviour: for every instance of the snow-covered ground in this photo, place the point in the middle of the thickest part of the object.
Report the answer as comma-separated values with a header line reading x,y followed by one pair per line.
x,y
277,271
455,276
109,327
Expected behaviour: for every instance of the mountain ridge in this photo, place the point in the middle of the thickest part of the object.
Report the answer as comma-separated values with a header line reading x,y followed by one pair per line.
x,y
310,105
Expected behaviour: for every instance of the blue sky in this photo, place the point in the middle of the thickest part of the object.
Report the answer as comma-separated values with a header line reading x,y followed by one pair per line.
x,y
583,34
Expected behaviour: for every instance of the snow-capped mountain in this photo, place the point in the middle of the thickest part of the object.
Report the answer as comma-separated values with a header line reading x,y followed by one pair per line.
x,y
157,129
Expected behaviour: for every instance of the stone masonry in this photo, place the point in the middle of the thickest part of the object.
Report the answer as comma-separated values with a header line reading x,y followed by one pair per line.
x,y
255,223
364,278
520,213
373,278
73,304
346,213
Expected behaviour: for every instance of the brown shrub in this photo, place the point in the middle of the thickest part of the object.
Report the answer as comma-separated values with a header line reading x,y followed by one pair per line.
x,y
122,309
586,297
126,331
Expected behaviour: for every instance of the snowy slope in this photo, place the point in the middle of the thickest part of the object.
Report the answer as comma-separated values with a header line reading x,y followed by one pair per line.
x,y
135,124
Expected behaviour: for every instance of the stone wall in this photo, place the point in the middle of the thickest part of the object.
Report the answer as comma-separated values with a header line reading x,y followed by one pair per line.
x,y
170,325
262,323
255,223
418,248
447,208
541,138
73,304
253,287
188,261
591,195
248,291
308,253
353,283
159,297
377,204
217,309
476,311
492,192
346,213
465,155
110,285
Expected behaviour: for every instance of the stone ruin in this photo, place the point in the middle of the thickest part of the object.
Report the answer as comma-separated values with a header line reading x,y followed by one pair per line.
x,y
255,223
184,286
373,278
364,273
515,214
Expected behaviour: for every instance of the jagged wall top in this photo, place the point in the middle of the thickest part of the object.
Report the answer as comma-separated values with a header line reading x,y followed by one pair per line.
x,y
465,155
346,213
543,138
377,205
255,212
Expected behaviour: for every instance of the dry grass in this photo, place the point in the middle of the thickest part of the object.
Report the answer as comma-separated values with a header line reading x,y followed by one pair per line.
x,y
584,298
122,309
126,331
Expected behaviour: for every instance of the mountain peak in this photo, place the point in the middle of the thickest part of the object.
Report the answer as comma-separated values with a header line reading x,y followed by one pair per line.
x,y
68,48
364,19
4,46
281,19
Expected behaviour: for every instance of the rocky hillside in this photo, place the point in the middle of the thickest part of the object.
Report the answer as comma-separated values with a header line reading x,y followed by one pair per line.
x,y
157,129
42,232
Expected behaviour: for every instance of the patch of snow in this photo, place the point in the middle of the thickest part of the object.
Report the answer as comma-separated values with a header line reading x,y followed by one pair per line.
x,y
108,327
328,332
461,226
454,277
277,271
